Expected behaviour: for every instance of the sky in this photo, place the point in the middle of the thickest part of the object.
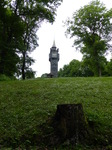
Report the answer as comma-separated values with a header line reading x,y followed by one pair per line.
x,y
47,33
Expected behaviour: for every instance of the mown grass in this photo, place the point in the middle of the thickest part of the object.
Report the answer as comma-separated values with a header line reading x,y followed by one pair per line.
x,y
26,105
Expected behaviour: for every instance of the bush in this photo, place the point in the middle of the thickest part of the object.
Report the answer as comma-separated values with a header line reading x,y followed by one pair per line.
x,y
6,78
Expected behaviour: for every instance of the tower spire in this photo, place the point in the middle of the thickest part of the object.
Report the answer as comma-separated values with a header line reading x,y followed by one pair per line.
x,y
54,45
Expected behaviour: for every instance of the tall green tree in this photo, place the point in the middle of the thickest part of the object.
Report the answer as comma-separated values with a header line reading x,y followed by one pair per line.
x,y
91,28
10,30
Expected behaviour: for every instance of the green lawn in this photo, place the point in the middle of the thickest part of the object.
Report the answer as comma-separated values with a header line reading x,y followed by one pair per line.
x,y
26,105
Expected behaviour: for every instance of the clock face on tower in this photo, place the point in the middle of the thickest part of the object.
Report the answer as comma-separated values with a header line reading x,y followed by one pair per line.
x,y
54,55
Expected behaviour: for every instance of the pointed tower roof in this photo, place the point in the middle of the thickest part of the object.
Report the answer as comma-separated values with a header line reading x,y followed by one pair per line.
x,y
54,45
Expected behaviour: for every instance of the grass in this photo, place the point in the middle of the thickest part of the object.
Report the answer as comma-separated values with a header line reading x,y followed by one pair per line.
x,y
26,105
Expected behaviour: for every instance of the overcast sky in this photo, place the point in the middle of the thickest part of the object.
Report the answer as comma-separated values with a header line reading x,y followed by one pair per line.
x,y
48,33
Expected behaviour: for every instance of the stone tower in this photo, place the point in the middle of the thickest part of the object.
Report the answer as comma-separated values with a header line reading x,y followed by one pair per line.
x,y
54,58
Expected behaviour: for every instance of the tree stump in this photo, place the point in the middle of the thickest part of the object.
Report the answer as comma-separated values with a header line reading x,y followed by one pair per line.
x,y
70,123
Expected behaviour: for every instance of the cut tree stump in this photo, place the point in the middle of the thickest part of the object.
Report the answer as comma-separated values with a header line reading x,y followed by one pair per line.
x,y
70,123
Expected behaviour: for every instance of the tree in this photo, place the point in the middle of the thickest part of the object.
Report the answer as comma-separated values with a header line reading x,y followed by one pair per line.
x,y
28,72
85,69
10,30
75,69
92,28
64,72
108,68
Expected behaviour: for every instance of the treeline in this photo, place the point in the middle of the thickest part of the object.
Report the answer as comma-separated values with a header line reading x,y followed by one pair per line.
x,y
19,22
78,68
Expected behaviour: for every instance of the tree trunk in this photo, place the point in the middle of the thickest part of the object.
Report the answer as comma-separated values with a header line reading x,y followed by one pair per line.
x,y
70,123
23,66
100,73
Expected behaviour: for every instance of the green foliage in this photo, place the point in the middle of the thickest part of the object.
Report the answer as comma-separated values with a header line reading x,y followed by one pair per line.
x,y
30,74
82,68
75,69
25,106
4,78
8,58
91,25
108,68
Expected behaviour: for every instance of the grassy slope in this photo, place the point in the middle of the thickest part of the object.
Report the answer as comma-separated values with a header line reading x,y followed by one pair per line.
x,y
25,105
